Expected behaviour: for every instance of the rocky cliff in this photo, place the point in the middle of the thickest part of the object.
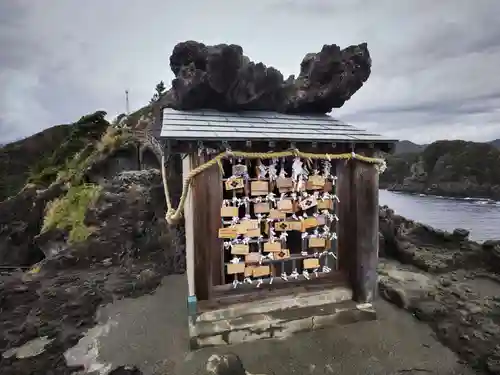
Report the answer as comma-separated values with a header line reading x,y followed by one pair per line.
x,y
448,168
90,222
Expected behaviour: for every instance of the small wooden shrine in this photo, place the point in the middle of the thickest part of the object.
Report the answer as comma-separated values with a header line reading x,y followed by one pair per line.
x,y
292,202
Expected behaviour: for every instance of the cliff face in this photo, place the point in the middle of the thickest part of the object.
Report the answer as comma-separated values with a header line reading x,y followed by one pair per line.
x,y
449,168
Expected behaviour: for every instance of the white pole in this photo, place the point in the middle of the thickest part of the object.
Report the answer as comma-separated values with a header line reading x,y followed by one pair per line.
x,y
127,108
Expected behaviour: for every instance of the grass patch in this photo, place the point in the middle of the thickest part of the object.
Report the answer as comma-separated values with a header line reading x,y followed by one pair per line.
x,y
68,212
112,139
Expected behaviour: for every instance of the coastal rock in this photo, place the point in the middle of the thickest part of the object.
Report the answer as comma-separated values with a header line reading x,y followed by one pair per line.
x,y
221,77
428,248
492,250
403,286
447,281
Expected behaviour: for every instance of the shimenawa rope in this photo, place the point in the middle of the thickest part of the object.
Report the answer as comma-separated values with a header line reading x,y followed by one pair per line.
x,y
173,216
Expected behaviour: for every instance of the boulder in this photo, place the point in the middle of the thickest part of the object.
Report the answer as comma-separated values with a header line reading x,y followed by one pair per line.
x,y
221,77
225,364
461,233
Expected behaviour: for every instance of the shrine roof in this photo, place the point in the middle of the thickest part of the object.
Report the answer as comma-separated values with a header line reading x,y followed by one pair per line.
x,y
212,125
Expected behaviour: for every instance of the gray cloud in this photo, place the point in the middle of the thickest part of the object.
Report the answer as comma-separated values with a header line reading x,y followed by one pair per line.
x,y
434,63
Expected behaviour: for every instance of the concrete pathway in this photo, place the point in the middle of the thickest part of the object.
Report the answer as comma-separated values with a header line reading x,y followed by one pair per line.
x,y
151,332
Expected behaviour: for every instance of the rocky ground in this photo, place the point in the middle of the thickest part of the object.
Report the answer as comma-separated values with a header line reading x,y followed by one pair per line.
x,y
129,250
446,281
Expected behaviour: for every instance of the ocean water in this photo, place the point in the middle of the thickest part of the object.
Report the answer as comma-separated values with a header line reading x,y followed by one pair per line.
x,y
480,216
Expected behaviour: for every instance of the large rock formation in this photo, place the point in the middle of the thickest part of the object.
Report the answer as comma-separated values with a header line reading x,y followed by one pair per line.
x,y
221,77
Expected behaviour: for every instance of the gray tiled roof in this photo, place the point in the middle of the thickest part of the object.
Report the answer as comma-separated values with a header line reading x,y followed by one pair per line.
x,y
253,125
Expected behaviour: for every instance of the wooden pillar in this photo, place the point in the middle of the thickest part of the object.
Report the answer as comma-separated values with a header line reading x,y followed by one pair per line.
x,y
365,183
207,202
346,226
189,227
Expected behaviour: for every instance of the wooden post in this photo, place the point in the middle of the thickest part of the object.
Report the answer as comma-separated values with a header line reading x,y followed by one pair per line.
x,y
189,227
365,183
346,226
207,202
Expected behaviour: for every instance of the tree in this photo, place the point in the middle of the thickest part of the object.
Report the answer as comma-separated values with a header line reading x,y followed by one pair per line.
x,y
159,91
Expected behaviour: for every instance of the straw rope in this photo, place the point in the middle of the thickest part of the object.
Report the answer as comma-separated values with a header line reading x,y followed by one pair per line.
x,y
173,216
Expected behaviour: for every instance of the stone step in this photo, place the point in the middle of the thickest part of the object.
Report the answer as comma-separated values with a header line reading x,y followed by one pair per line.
x,y
333,295
277,324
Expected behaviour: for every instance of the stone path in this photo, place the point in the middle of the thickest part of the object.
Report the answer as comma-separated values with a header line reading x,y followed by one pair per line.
x,y
151,332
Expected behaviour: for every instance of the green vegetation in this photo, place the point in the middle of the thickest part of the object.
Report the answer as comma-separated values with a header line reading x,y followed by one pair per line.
x,y
62,154
68,212
446,161
84,134
38,159
456,160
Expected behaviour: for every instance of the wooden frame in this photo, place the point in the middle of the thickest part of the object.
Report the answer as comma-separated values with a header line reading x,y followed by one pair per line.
x,y
357,230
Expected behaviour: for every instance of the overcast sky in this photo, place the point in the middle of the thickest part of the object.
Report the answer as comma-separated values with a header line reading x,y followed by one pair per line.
x,y
435,63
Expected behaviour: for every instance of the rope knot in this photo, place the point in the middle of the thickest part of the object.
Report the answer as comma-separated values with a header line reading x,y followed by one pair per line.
x,y
171,216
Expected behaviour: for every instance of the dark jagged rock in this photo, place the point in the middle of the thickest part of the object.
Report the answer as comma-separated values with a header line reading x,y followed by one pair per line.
x,y
426,247
221,77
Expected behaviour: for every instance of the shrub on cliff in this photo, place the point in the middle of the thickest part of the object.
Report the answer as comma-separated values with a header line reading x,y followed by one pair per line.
x,y
68,212
39,158
85,131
